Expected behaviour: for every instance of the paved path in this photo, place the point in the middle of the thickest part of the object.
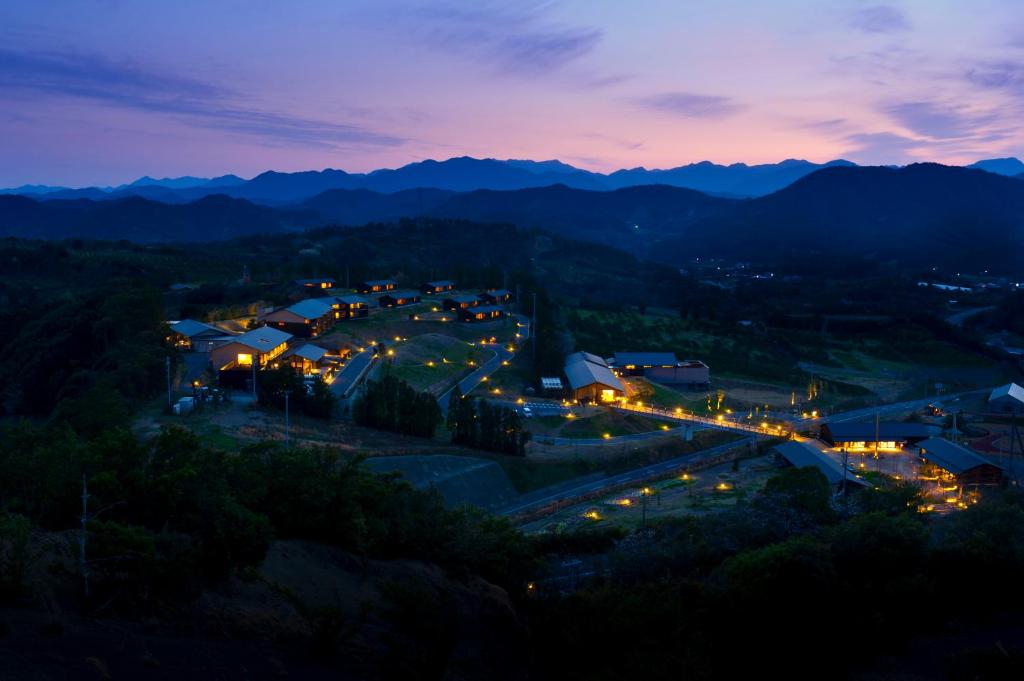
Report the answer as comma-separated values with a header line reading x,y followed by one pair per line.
x,y
542,497
352,373
884,409
720,423
501,354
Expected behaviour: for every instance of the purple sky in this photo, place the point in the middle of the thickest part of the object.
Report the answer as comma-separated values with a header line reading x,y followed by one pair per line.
x,y
102,91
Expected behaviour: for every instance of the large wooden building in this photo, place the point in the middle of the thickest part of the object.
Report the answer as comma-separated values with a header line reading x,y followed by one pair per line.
x,y
887,435
663,367
956,462
590,379
347,307
305,319
236,360
188,334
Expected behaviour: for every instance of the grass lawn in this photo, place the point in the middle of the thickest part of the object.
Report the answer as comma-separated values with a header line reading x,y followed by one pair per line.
x,y
434,361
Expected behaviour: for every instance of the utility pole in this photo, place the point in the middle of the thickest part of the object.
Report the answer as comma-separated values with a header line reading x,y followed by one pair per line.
x,y
254,361
167,366
877,428
82,563
286,394
846,463
533,327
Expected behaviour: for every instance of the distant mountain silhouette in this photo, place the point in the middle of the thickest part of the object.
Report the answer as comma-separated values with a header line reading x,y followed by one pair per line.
x,y
920,215
737,179
1000,166
186,182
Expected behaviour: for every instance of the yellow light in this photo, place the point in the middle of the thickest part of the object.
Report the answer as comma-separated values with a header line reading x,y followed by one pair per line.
x,y
570,415
484,379
606,436
719,418
497,391
664,426
519,400
430,363
624,502
686,476
391,353
679,410
592,515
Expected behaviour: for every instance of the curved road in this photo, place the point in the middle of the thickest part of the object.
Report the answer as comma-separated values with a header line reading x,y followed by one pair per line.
x,y
501,354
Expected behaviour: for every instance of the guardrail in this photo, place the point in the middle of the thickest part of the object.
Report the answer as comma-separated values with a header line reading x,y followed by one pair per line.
x,y
718,423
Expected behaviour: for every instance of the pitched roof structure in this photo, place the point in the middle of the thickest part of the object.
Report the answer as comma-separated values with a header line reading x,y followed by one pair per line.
x,y
887,431
802,455
263,339
583,369
191,328
314,353
1011,390
950,456
312,308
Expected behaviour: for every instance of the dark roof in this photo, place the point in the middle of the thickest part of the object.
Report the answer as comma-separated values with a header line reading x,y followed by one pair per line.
x,y
583,369
950,456
307,282
380,282
353,300
654,359
441,283
887,431
802,455
498,292
404,293
311,308
192,328
483,308
463,299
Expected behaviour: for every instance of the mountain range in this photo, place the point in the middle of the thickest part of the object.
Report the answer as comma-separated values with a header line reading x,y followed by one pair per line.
x,y
918,215
464,174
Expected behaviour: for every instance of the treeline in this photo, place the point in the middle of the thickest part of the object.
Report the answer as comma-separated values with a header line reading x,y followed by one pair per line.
x,y
791,566
169,516
392,404
480,424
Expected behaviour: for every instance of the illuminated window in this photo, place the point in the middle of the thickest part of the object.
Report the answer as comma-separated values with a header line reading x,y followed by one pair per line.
x,y
244,359
607,395
324,284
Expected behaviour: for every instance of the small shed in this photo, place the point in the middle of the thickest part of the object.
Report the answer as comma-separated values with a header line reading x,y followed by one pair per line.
x,y
433,288
377,285
481,313
399,298
964,465
1007,399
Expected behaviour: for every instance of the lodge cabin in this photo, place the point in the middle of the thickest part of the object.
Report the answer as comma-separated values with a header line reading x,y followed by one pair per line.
x,y
952,462
864,436
188,334
257,349
377,286
305,319
399,299
662,367
456,303
590,379
481,313
316,284
804,455
497,296
1007,399
307,359
433,288
347,307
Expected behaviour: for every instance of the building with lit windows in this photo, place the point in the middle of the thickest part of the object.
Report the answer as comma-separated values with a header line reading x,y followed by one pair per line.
x,y
433,288
481,313
377,285
591,380
864,436
305,319
317,284
662,367
236,361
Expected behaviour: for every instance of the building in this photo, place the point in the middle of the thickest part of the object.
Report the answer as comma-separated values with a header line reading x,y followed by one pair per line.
x,y
455,303
307,359
551,385
305,319
189,334
590,379
803,455
347,307
377,286
498,296
954,462
888,435
317,284
1007,399
432,288
481,313
236,360
662,367
398,298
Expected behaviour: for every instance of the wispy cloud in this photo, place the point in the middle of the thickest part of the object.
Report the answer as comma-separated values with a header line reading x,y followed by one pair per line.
x,y
880,148
939,120
691,104
879,19
130,85
514,38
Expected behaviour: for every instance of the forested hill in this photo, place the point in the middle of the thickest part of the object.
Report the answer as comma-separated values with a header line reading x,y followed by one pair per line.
x,y
920,214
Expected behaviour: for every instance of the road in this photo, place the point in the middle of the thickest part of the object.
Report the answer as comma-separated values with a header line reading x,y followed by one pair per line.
x,y
501,354
542,497
884,409
352,373
958,318
720,423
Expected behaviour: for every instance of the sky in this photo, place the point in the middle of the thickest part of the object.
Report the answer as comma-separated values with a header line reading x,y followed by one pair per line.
x,y
100,92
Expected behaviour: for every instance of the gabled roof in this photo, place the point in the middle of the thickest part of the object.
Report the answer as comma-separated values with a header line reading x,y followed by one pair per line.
x,y
640,359
353,300
441,283
263,339
190,328
313,308
485,309
380,282
314,353
1011,390
584,357
582,371
497,293
464,299
404,293
802,455
950,456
